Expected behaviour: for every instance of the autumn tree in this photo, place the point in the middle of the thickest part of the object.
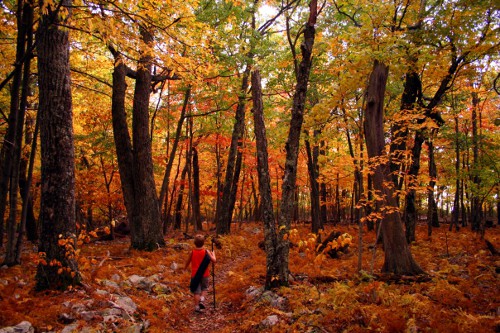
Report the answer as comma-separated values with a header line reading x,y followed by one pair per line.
x,y
11,177
398,259
229,186
303,69
461,53
58,268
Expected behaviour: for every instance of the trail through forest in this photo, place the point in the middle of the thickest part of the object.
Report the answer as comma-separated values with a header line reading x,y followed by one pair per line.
x,y
134,291
214,318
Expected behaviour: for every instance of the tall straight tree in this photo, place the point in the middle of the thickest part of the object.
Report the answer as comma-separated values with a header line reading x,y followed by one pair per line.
x,y
398,258
24,44
456,201
225,205
273,261
293,141
313,168
10,150
57,209
228,198
476,204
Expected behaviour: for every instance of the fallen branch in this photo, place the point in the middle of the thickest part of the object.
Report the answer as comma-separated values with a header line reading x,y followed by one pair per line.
x,y
491,247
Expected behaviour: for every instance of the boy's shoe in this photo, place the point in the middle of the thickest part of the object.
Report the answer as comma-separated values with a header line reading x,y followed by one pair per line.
x,y
202,306
198,309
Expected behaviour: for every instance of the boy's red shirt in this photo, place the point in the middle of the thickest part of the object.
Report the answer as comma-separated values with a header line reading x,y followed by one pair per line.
x,y
196,259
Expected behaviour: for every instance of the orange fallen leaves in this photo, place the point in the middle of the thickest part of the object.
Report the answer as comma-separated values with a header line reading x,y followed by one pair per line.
x,y
460,296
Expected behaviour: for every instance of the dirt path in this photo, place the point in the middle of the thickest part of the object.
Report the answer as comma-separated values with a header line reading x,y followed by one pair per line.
x,y
214,319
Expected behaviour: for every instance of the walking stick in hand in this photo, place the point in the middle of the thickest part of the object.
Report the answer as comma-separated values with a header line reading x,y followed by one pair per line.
x,y
213,272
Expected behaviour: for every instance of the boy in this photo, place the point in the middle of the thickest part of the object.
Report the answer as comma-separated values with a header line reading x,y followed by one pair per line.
x,y
199,258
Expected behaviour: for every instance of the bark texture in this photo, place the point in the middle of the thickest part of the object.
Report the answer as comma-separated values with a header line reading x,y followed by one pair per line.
x,y
226,205
146,231
398,259
57,211
293,141
267,213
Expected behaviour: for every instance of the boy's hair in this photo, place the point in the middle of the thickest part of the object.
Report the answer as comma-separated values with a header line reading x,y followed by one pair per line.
x,y
199,240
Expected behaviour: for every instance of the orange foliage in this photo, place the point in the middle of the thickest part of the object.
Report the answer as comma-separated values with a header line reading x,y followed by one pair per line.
x,y
460,296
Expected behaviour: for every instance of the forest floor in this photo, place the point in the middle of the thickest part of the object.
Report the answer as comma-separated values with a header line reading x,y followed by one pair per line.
x,y
460,294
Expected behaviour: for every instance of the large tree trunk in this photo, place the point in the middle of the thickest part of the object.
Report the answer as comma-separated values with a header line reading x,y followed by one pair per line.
x,y
146,231
121,134
57,211
398,258
226,205
292,143
270,234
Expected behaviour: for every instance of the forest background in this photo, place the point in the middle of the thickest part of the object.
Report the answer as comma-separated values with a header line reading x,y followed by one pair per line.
x,y
375,117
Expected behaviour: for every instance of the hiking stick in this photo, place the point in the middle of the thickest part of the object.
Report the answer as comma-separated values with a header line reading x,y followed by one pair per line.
x,y
213,272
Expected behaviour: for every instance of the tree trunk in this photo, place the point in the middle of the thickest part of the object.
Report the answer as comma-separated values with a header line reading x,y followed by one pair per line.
x,y
463,196
180,196
410,207
398,258
146,232
57,210
25,183
498,204
456,201
312,167
218,162
25,17
476,211
121,134
257,211
10,149
172,194
196,191
267,213
323,192
226,205
25,189
168,170
237,171
292,143
432,213
430,113
27,202
399,129
358,175
369,190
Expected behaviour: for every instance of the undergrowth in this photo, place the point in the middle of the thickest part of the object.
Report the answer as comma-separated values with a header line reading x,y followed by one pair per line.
x,y
325,295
